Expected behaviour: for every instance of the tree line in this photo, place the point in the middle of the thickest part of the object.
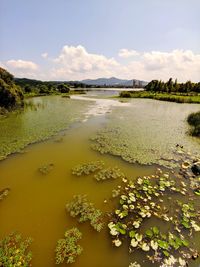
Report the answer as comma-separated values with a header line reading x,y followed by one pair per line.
x,y
173,86
39,87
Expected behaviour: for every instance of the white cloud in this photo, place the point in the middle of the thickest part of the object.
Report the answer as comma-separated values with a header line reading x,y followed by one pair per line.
x,y
44,55
21,64
125,53
76,63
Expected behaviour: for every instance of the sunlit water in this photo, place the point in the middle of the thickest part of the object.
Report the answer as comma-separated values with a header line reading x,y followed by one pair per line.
x,y
36,203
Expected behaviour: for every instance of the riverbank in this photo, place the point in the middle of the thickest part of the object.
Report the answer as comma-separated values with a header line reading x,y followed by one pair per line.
x,y
178,98
71,92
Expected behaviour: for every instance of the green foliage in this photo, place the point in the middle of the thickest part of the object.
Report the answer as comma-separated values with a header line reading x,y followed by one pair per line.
x,y
36,87
13,251
11,95
170,86
87,168
80,207
63,88
170,91
162,96
67,248
194,120
109,174
146,199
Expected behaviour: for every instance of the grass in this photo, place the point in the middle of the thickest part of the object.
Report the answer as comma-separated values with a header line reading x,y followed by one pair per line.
x,y
72,92
172,97
194,121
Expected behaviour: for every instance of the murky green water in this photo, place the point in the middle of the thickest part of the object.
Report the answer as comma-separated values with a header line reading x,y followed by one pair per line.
x,y
42,118
35,205
147,132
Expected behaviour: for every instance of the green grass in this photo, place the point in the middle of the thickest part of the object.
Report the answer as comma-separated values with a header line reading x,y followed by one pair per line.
x,y
72,92
178,98
194,121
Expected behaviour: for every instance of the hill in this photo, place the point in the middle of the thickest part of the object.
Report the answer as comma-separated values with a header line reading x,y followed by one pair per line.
x,y
114,82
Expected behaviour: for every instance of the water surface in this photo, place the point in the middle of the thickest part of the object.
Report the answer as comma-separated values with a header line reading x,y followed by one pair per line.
x,y
36,203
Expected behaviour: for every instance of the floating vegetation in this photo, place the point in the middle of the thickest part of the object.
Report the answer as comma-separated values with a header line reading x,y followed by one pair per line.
x,y
115,192
4,193
87,168
67,248
134,264
141,134
146,200
80,207
45,169
109,174
13,251
37,124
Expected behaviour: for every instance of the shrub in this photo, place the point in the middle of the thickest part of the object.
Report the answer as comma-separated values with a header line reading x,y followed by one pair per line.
x,y
11,95
194,120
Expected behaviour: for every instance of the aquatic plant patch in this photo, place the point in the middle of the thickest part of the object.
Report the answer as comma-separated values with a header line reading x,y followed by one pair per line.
x,y
109,174
14,251
4,193
97,168
80,207
41,119
140,203
87,168
68,249
46,169
146,132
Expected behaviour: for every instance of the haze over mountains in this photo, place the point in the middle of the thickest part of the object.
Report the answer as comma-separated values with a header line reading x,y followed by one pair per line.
x,y
113,82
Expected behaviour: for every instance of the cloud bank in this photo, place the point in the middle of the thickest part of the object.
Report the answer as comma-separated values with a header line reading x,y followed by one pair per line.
x,y
76,63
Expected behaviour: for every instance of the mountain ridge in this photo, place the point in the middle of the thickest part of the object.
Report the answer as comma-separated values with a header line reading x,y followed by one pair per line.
x,y
113,81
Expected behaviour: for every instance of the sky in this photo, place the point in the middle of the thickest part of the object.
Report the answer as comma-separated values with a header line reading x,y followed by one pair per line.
x,y
76,39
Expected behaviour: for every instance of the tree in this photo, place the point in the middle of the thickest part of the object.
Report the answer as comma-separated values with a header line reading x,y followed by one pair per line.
x,y
43,89
11,95
63,88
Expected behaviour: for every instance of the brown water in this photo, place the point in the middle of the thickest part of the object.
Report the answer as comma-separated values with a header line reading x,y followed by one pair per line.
x,y
36,203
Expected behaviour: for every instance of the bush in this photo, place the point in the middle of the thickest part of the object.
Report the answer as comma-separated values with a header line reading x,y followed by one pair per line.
x,y
11,95
194,120
63,88
125,94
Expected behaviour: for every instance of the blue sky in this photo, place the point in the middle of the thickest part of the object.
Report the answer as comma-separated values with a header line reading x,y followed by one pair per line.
x,y
31,28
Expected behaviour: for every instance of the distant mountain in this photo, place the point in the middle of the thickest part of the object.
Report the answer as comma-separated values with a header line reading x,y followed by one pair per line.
x,y
113,82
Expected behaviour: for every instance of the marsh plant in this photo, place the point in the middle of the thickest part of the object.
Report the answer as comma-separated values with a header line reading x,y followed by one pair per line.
x,y
46,169
194,121
97,168
144,138
80,207
68,249
145,201
14,251
87,168
4,193
109,174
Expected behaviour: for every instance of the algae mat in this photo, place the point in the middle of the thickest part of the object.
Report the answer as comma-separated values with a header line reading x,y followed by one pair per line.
x,y
147,131
41,118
